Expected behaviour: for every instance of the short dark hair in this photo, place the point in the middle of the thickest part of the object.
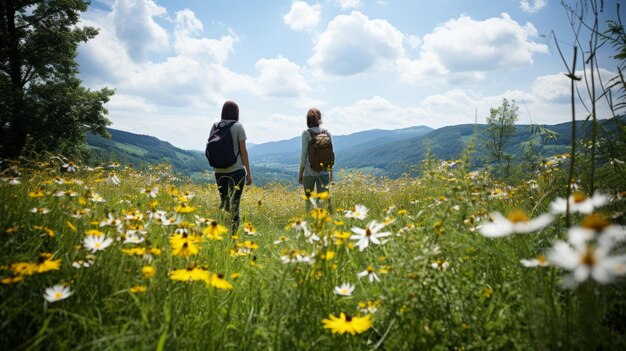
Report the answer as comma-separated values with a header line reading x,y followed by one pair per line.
x,y
230,111
313,118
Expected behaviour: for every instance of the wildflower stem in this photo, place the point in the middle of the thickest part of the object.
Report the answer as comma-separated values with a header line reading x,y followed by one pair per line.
x,y
588,316
570,176
552,306
594,121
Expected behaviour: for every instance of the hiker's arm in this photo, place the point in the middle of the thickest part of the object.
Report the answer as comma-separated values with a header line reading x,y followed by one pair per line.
x,y
303,155
246,162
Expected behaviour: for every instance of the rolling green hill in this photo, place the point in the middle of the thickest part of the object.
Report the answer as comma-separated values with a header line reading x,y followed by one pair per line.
x,y
448,143
138,150
381,152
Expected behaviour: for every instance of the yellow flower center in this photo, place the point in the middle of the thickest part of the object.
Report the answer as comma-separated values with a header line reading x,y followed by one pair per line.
x,y
595,221
517,216
58,295
579,197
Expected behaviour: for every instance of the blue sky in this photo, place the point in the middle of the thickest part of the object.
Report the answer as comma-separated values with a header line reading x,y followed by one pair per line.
x,y
364,63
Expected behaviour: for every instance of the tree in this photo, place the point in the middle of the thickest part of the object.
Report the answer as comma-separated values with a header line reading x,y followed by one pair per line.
x,y
500,129
41,99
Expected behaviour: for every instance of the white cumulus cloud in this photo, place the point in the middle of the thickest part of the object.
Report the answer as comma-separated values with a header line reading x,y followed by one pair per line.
x,y
302,16
376,112
536,5
280,77
470,47
354,43
348,4
136,28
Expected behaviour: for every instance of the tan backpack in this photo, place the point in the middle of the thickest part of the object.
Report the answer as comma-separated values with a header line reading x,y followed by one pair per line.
x,y
321,155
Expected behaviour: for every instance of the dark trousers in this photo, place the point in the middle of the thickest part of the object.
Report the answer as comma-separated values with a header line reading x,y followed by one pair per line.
x,y
230,186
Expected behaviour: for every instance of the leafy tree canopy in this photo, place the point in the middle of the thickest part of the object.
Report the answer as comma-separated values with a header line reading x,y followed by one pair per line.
x,y
43,105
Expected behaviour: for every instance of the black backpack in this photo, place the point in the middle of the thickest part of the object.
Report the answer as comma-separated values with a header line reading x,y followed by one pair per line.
x,y
219,148
321,154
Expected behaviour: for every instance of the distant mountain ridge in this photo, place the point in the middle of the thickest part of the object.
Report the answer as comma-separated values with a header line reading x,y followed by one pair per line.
x,y
341,141
380,152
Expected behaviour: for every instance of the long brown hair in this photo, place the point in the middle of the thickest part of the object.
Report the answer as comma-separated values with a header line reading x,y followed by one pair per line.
x,y
230,111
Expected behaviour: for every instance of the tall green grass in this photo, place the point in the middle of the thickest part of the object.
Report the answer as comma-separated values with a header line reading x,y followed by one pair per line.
x,y
483,299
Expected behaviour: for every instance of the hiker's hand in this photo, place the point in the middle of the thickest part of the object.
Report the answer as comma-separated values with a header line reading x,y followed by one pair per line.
x,y
300,180
249,179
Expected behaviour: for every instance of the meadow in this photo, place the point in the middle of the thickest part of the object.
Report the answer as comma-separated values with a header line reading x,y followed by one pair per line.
x,y
112,257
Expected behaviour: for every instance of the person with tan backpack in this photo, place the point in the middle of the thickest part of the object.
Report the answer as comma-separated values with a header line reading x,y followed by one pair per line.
x,y
317,157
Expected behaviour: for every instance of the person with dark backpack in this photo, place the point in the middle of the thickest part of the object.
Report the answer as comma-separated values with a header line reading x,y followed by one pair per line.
x,y
317,157
227,154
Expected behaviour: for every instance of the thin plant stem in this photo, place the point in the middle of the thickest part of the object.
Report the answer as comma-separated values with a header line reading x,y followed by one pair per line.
x,y
570,176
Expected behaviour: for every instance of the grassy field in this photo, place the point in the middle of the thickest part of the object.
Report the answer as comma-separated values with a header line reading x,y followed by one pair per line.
x,y
142,260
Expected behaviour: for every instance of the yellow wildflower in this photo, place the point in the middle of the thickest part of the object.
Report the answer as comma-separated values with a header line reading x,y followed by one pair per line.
x,y
218,281
348,324
214,231
148,271
191,273
138,289
46,263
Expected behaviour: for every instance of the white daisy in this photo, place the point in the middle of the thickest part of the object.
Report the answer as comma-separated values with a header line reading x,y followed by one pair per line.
x,y
586,261
57,293
344,289
11,180
88,261
66,193
281,240
534,262
369,234
96,198
132,238
59,180
40,210
440,265
95,243
79,213
158,214
359,212
587,251
370,273
113,179
152,192
596,226
516,222
297,256
69,167
579,202
299,225
311,237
